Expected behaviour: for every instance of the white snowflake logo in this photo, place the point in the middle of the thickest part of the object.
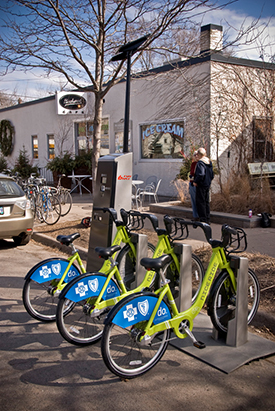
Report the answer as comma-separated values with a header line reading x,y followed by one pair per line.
x,y
130,312
81,289
45,272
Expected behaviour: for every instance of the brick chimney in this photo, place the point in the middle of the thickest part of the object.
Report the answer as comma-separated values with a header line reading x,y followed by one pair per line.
x,y
211,38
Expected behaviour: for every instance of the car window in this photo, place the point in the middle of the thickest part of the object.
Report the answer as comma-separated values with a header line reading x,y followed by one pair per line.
x,y
9,188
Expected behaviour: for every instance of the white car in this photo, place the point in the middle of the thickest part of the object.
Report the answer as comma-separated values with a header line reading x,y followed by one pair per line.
x,y
16,217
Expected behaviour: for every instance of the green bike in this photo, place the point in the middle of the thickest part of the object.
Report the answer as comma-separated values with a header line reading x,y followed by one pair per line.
x,y
138,329
45,281
85,302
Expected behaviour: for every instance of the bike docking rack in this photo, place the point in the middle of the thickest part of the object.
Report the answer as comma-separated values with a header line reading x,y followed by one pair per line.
x,y
240,347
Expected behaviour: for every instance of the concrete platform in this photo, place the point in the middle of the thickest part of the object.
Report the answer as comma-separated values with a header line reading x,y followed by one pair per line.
x,y
219,355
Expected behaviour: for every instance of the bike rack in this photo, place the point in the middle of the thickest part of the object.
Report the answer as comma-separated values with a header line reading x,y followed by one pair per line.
x,y
237,333
141,241
185,281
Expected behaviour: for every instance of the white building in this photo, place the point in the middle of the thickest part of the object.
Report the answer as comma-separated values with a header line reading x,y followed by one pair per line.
x,y
172,108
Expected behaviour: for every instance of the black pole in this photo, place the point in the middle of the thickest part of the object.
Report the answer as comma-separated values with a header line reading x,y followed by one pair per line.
x,y
127,105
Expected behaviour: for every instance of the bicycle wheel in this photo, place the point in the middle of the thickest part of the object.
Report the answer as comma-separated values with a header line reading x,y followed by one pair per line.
x,y
172,274
51,209
76,322
127,264
38,297
123,352
37,300
66,202
39,208
223,302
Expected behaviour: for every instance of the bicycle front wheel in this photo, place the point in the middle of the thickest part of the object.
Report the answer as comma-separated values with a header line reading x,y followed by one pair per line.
x,y
51,210
127,264
223,304
77,323
66,201
128,357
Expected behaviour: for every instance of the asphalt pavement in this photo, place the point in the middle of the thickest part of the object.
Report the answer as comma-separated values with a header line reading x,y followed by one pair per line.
x,y
40,371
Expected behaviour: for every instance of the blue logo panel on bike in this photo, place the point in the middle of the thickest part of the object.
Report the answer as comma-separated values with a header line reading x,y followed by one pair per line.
x,y
140,309
91,286
52,270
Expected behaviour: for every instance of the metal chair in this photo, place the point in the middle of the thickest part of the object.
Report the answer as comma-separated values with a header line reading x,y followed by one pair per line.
x,y
151,190
136,197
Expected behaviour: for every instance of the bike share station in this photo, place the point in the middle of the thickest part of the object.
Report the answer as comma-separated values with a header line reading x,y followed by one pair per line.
x,y
113,189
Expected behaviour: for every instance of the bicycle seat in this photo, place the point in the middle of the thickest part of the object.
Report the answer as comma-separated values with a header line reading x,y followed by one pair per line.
x,y
67,239
156,263
106,252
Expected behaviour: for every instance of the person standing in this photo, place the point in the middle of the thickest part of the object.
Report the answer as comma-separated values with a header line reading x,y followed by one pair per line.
x,y
192,188
202,181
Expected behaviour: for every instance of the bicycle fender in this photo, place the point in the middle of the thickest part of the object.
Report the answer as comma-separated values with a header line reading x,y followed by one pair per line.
x,y
51,269
90,285
137,308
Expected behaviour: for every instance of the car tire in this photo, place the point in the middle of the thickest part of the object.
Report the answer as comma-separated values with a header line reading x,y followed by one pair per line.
x,y
21,240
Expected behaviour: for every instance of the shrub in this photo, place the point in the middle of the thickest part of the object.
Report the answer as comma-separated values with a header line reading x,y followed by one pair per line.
x,y
23,165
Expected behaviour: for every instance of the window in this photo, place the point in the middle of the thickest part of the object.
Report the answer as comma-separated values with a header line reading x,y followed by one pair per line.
x,y
34,147
163,139
50,146
262,139
84,136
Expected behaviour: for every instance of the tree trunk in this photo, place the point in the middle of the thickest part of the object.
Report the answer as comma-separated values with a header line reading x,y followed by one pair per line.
x,y
97,133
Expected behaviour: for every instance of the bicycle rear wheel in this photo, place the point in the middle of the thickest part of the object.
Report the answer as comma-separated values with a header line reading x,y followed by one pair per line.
x,y
223,302
66,201
125,354
37,300
76,322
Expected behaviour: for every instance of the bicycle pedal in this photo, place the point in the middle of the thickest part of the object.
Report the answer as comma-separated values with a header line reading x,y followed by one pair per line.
x,y
199,344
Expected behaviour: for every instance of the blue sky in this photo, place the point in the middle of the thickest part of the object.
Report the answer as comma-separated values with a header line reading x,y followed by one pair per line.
x,y
232,17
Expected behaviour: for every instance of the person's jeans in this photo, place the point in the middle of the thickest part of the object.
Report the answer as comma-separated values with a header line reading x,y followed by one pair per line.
x,y
192,192
202,202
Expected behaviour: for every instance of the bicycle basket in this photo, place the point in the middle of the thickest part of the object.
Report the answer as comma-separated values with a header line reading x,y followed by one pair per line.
x,y
176,228
237,242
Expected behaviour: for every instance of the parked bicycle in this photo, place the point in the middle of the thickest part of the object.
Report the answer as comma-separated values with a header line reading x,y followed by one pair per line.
x,y
64,196
44,282
138,329
85,302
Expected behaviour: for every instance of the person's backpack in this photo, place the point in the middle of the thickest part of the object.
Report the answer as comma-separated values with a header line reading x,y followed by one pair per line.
x,y
265,219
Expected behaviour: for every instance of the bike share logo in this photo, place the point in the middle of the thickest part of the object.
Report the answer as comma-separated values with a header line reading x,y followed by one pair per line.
x,y
81,289
143,307
93,285
130,312
125,177
45,271
72,273
56,268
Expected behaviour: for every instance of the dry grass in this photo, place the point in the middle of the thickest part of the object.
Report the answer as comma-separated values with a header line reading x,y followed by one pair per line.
x,y
238,195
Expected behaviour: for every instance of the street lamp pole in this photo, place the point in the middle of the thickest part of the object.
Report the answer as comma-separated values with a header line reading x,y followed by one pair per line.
x,y
125,53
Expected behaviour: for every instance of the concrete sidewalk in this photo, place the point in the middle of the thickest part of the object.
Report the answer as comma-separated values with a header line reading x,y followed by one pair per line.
x,y
261,240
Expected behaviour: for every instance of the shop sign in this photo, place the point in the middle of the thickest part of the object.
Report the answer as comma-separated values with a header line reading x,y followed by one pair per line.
x,y
71,103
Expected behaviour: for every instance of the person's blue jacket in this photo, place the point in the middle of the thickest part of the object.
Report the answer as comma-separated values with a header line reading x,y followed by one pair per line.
x,y
204,172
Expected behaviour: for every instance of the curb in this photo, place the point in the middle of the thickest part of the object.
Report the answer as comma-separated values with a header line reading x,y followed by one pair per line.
x,y
51,242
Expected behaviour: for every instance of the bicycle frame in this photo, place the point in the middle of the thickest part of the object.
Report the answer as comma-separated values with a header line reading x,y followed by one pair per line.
x,y
218,261
111,270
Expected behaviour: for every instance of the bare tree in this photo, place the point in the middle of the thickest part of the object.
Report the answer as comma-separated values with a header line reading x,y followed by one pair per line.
x,y
77,39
